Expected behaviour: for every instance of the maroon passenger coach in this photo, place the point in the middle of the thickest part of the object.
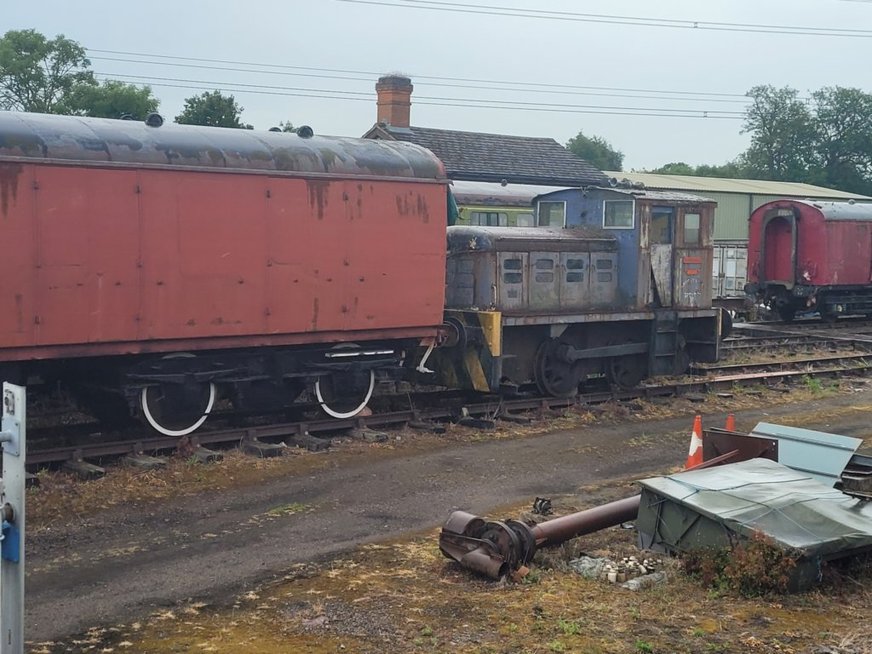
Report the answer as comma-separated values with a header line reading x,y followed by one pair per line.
x,y
806,255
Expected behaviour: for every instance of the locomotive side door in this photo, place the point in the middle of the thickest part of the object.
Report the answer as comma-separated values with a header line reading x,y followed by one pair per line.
x,y
693,286
660,237
512,280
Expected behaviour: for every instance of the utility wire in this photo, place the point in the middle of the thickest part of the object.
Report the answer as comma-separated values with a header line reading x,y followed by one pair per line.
x,y
369,75
433,101
639,21
368,96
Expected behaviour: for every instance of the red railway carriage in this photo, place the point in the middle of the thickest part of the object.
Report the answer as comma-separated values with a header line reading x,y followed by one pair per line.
x,y
167,265
811,256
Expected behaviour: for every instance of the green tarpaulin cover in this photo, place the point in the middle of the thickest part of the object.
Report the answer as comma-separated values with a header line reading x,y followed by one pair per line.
x,y
759,495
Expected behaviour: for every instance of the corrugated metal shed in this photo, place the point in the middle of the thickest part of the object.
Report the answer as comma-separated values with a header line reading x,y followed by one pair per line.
x,y
736,198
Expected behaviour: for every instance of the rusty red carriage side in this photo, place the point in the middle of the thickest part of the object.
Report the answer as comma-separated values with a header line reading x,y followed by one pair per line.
x,y
811,256
125,239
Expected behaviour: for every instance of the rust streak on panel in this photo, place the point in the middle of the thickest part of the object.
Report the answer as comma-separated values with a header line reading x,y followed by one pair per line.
x,y
318,195
9,174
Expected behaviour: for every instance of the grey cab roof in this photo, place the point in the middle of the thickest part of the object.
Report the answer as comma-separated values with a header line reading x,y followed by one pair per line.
x,y
27,136
670,197
838,210
465,238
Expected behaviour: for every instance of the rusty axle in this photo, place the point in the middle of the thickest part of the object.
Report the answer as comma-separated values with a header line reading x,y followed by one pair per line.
x,y
498,548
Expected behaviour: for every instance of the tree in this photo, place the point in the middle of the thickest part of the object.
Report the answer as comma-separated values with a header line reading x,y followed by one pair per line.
x,y
826,141
782,134
213,109
112,99
596,151
287,126
730,169
675,168
38,74
843,139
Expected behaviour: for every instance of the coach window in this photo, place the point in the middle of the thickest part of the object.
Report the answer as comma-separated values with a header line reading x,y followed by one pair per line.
x,y
691,229
525,220
489,218
618,214
552,214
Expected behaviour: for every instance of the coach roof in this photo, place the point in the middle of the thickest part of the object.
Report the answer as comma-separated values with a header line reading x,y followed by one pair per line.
x,y
100,140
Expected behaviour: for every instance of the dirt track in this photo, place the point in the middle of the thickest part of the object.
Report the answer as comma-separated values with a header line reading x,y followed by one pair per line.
x,y
124,563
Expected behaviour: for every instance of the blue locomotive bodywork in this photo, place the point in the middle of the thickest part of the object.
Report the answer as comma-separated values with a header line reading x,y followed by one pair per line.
x,y
622,289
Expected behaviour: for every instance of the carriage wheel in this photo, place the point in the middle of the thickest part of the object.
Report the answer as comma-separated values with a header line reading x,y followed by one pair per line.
x,y
177,409
344,394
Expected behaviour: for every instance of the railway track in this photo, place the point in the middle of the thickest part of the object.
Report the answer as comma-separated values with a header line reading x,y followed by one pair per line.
x,y
753,344
804,364
268,440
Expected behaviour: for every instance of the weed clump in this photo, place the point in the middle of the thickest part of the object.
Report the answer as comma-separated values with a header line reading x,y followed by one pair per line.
x,y
751,568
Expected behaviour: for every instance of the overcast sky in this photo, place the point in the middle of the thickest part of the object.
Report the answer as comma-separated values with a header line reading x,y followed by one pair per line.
x,y
338,48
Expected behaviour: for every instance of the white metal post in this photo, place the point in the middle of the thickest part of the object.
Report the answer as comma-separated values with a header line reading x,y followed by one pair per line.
x,y
13,441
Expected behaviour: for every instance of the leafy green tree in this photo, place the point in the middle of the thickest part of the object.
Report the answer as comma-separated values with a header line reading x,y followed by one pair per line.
x,y
675,168
843,139
40,74
213,109
782,134
597,151
112,99
731,169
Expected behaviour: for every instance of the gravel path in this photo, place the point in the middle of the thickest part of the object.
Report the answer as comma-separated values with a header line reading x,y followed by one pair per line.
x,y
122,564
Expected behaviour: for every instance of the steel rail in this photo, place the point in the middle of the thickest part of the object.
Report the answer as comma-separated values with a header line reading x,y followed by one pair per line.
x,y
492,408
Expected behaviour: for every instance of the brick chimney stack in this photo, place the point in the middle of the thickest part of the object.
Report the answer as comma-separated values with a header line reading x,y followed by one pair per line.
x,y
394,100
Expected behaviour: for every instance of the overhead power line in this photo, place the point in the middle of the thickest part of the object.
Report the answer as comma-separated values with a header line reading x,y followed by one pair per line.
x,y
425,100
361,75
639,21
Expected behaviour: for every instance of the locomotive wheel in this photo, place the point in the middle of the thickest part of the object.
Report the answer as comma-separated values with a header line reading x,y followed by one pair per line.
x,y
554,376
626,372
344,394
177,409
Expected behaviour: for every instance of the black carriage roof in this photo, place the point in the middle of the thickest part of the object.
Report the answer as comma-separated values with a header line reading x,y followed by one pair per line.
x,y
464,238
830,210
670,197
27,136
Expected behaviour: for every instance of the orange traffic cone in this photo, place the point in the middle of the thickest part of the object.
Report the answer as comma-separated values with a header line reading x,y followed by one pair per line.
x,y
731,422
694,455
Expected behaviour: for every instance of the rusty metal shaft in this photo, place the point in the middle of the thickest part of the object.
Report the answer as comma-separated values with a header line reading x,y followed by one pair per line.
x,y
497,548
560,530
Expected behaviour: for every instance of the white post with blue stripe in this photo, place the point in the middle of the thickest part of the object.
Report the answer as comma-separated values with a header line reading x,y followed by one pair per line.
x,y
12,439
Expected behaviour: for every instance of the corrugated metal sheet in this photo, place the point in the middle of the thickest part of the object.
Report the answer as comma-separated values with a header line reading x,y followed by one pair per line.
x,y
818,454
736,198
725,185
